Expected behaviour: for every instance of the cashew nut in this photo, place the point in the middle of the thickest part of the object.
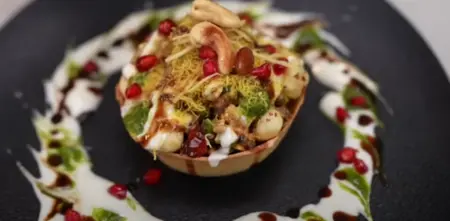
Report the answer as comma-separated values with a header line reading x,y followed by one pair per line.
x,y
213,90
269,125
206,10
206,33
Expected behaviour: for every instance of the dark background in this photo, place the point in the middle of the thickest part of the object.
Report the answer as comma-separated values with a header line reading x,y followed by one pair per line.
x,y
416,147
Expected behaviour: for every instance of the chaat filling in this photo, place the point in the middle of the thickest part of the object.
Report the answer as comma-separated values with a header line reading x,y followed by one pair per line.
x,y
209,85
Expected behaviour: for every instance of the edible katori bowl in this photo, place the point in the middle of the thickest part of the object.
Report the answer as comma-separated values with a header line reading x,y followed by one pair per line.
x,y
234,163
154,83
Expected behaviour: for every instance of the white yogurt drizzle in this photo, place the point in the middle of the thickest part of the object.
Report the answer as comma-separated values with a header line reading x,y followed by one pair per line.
x,y
88,192
227,138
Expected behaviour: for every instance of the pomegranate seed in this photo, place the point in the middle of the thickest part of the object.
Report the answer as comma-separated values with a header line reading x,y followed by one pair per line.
x,y
207,52
166,26
270,49
118,190
341,114
90,67
346,155
152,176
358,101
196,144
280,69
262,72
210,67
247,18
72,215
144,63
133,91
360,166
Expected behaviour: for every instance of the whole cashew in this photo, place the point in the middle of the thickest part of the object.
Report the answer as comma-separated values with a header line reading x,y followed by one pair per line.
x,y
206,10
206,33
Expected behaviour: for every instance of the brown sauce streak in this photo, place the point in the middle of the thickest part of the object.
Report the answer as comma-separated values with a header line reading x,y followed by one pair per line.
x,y
340,175
54,160
267,217
62,180
325,192
364,120
190,167
284,31
341,216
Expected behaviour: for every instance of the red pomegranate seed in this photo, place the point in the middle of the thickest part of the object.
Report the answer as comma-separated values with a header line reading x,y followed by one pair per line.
x,y
166,26
118,190
207,52
262,72
280,69
360,166
72,215
346,155
90,67
210,67
152,176
133,91
358,101
196,144
246,17
341,114
270,49
144,63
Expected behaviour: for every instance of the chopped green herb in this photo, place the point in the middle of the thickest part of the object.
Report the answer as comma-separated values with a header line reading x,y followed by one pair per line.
x,y
73,69
131,203
207,126
256,104
311,216
310,36
156,17
77,154
350,92
373,151
358,181
363,201
71,157
100,214
66,155
136,118
138,78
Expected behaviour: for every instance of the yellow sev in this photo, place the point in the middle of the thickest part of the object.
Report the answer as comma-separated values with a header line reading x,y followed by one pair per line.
x,y
187,69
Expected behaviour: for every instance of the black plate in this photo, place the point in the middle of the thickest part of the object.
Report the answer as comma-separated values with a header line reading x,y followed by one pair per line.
x,y
416,147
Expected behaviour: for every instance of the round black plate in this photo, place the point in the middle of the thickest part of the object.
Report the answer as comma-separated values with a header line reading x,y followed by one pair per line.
x,y
416,147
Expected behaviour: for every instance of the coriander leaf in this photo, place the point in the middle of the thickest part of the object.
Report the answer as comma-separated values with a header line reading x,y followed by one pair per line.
x,y
365,203
358,181
100,214
207,126
136,118
72,69
131,203
66,155
310,215
138,78
309,36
